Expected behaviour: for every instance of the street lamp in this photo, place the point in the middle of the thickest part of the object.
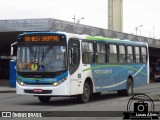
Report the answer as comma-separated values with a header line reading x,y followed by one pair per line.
x,y
138,28
77,20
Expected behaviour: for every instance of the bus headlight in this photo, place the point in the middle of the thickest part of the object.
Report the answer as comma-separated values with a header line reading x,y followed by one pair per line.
x,y
21,83
59,82
55,84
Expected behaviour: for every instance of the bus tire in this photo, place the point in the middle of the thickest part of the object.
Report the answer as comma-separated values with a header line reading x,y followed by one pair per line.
x,y
44,99
129,90
85,97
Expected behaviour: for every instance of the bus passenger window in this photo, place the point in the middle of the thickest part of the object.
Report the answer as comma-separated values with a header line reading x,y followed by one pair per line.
x,y
101,53
144,54
129,54
112,53
122,54
137,54
87,55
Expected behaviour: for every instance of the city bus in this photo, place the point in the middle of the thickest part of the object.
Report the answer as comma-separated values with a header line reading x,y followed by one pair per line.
x,y
53,64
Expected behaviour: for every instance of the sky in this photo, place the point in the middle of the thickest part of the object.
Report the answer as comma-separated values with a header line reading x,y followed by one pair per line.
x,y
144,13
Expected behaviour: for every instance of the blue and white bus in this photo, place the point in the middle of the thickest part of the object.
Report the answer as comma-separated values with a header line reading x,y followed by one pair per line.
x,y
63,64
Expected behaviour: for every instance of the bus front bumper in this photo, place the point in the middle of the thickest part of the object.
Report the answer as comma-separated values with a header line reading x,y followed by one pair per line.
x,y
47,90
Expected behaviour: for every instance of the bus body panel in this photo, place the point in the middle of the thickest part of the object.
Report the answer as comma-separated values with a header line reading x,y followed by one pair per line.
x,y
76,83
114,77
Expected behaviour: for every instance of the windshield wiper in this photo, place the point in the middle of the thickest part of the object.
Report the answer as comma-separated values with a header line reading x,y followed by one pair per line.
x,y
32,52
48,49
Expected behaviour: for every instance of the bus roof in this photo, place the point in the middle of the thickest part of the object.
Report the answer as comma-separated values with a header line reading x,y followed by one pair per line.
x,y
91,38
114,40
107,39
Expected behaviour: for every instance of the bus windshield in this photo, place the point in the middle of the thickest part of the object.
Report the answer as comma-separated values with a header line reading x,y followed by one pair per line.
x,y
41,58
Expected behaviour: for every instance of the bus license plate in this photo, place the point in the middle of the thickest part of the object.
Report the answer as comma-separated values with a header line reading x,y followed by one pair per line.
x,y
38,90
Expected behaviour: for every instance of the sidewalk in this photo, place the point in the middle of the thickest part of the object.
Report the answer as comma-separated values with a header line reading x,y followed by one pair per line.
x,y
5,86
7,89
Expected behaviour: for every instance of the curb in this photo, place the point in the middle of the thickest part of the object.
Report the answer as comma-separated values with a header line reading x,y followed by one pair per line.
x,y
7,91
154,96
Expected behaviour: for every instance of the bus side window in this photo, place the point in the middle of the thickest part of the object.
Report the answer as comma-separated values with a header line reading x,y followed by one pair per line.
x,y
144,54
137,54
87,53
101,53
113,53
129,54
122,54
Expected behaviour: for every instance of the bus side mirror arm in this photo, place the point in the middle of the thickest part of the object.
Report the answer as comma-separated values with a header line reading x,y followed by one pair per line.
x,y
12,49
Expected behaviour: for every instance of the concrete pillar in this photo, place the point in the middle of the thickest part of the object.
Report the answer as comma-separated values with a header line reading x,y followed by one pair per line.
x,y
115,15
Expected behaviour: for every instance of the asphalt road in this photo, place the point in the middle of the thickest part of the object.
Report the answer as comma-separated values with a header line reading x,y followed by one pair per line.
x,y
105,102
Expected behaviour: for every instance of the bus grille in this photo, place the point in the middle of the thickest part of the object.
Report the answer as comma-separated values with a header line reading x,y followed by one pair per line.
x,y
38,83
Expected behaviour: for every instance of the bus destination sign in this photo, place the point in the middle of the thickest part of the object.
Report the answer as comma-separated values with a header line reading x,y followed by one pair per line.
x,y
46,38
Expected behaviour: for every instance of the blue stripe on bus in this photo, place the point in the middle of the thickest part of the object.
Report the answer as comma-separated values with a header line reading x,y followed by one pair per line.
x,y
42,80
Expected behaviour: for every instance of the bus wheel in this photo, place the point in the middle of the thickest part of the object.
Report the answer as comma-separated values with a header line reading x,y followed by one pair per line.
x,y
44,99
84,98
129,90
